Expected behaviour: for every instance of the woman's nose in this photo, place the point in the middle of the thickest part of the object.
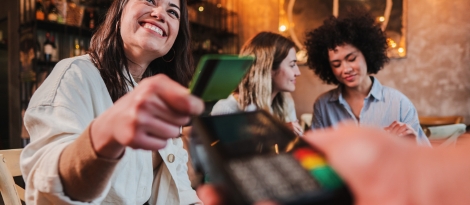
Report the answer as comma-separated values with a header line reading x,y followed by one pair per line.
x,y
347,68
158,13
297,71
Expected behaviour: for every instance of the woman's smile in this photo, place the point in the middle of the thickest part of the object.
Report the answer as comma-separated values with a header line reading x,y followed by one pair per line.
x,y
154,28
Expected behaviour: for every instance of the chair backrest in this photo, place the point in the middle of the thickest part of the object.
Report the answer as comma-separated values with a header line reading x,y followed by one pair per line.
x,y
427,121
306,121
9,168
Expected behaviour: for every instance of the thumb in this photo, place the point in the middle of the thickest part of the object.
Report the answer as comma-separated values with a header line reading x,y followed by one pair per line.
x,y
208,194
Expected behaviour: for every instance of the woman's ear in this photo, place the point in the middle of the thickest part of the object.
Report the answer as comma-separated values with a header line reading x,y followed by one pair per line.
x,y
274,72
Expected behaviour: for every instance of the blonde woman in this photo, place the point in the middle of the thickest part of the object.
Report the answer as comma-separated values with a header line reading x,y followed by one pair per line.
x,y
268,82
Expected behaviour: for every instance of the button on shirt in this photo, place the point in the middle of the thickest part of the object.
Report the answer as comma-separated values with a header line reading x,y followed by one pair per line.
x,y
381,107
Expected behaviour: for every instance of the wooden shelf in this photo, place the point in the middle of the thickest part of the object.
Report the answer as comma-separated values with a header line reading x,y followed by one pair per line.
x,y
190,2
200,28
63,28
44,63
57,27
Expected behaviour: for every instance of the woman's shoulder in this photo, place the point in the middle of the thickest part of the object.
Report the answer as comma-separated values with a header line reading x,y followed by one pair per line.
x,y
75,70
70,75
330,95
80,64
225,106
393,94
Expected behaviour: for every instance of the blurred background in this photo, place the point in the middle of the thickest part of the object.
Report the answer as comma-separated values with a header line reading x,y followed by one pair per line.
x,y
429,46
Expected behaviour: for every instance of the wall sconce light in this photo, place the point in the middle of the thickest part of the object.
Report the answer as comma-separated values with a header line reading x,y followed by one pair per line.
x,y
283,22
401,52
391,43
381,19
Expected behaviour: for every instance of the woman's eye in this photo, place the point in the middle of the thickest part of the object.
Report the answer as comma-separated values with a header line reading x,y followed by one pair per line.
x,y
352,59
174,13
150,1
335,65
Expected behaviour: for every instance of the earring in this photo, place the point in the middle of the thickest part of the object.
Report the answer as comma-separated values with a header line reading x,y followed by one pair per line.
x,y
171,58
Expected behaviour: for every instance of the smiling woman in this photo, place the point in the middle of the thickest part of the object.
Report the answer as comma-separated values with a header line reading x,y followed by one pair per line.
x,y
269,80
115,46
99,133
346,52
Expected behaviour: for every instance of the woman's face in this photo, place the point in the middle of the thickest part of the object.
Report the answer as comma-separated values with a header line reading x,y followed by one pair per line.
x,y
284,76
149,27
348,65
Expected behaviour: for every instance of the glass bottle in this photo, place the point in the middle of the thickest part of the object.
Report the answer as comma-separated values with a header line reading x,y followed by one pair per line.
x,y
1,37
40,14
76,51
55,56
38,50
61,6
49,47
82,48
92,20
53,13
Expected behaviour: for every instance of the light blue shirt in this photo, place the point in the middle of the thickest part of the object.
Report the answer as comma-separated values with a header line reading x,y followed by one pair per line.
x,y
381,107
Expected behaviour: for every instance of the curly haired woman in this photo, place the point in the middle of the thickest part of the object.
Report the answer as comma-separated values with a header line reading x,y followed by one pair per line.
x,y
347,52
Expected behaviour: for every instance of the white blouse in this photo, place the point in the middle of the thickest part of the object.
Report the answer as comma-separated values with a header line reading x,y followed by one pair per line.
x,y
230,105
63,106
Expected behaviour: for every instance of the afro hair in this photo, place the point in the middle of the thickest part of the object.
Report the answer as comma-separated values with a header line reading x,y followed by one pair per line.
x,y
357,29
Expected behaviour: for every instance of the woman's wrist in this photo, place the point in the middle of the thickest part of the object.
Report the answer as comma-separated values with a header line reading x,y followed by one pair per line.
x,y
103,142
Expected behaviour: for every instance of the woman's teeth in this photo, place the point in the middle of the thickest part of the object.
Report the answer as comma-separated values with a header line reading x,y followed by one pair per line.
x,y
153,28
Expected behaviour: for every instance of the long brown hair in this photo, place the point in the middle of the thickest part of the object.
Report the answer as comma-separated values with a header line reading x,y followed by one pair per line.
x,y
107,53
269,49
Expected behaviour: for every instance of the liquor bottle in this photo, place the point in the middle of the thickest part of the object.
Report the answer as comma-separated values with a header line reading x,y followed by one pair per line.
x,y
82,48
1,37
53,13
76,46
49,47
40,14
61,6
92,20
55,56
38,50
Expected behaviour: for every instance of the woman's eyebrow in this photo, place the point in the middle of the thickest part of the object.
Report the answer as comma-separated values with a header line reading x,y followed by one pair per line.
x,y
347,56
174,5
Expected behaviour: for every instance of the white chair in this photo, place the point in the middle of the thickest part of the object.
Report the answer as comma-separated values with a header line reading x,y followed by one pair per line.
x,y
10,167
446,133
306,121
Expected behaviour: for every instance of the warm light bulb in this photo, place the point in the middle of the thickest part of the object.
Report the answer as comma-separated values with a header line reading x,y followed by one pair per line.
x,y
282,28
201,9
381,19
401,50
